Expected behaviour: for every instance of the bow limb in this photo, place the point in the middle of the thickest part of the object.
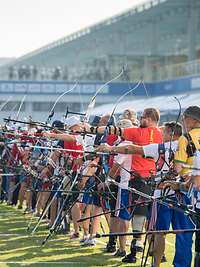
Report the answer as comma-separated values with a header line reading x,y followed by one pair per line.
x,y
121,97
20,106
173,131
114,108
51,113
177,119
5,103
93,99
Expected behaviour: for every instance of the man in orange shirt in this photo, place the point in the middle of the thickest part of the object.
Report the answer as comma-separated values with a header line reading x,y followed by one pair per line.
x,y
147,133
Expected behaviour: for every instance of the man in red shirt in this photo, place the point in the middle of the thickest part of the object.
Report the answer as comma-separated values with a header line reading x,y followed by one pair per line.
x,y
147,133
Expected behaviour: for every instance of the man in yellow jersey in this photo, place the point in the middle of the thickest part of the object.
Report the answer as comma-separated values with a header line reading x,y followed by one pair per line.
x,y
188,144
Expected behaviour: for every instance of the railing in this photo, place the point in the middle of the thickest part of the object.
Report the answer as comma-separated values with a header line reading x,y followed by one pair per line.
x,y
169,72
102,73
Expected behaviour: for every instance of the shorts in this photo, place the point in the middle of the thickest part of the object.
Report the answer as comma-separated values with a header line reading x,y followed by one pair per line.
x,y
87,197
123,201
46,185
139,184
96,200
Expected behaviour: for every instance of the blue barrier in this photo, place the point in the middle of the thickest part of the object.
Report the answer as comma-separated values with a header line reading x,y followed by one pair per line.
x,y
177,86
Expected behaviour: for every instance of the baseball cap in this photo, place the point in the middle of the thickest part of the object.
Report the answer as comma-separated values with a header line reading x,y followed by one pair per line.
x,y
193,112
124,123
72,121
58,124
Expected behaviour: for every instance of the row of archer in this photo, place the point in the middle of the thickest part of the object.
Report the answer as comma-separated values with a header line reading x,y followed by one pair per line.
x,y
137,170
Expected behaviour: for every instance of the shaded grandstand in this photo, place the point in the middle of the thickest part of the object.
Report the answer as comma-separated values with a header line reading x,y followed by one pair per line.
x,y
155,40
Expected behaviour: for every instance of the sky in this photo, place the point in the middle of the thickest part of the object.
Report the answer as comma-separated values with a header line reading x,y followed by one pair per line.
x,y
26,25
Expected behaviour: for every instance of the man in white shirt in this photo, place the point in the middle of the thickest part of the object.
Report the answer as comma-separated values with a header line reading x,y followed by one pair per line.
x,y
122,216
120,220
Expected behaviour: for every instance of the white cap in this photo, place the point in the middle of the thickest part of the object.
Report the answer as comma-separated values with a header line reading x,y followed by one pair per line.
x,y
124,123
72,121
11,127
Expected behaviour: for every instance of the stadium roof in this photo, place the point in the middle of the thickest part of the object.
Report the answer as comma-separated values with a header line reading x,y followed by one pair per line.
x,y
156,28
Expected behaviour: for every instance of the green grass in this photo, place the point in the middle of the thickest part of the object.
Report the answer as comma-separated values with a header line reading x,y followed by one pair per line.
x,y
19,248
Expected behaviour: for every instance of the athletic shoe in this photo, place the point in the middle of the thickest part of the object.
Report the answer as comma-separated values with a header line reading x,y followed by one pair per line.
x,y
74,236
119,253
150,253
89,243
85,237
163,259
27,210
129,259
49,226
110,248
139,249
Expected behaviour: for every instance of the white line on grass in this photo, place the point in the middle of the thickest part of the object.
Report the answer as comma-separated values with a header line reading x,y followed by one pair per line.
x,y
8,214
13,235
43,262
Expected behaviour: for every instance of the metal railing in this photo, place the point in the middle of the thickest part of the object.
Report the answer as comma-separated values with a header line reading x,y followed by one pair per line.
x,y
101,73
169,72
